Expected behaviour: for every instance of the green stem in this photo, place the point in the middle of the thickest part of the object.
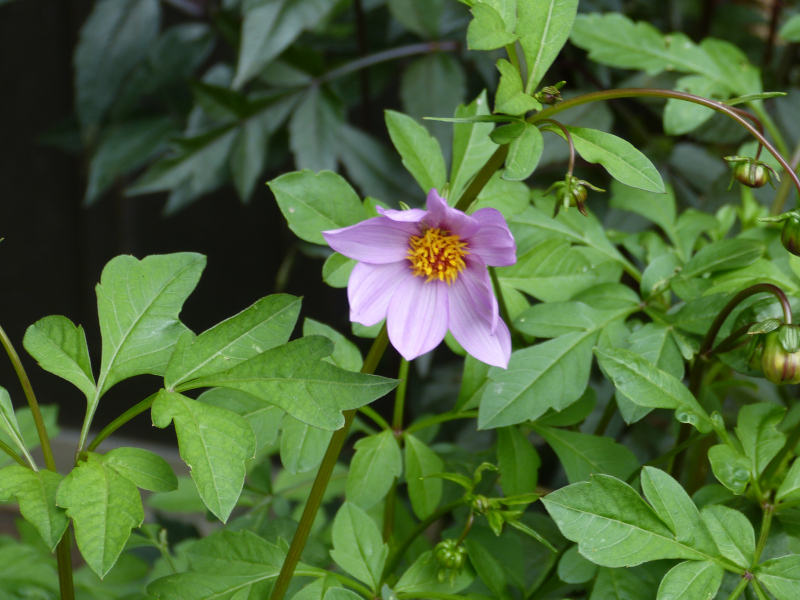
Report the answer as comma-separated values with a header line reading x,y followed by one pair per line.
x,y
387,55
121,420
10,451
322,478
511,49
483,176
608,413
655,93
786,185
766,522
568,137
373,414
760,594
63,549
467,528
436,419
396,555
397,428
343,579
737,591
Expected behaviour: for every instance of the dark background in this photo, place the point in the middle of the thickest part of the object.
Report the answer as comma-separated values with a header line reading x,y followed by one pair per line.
x,y
55,249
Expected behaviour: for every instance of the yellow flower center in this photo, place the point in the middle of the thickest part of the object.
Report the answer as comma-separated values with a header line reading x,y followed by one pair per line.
x,y
437,255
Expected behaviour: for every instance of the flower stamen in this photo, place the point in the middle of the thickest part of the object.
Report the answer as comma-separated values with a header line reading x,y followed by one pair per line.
x,y
437,255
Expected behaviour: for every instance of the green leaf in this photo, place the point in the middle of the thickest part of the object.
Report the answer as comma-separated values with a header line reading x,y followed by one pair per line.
x,y
620,158
756,429
60,347
123,148
790,31
248,155
318,589
732,532
676,509
510,98
336,270
421,153
691,580
114,39
524,153
723,254
345,355
517,461
487,30
423,578
681,117
376,464
574,568
36,493
584,455
263,326
781,576
649,386
625,584
572,415
104,507
419,16
265,419
340,593
184,500
302,446
269,27
658,208
314,130
357,545
488,568
424,491
730,467
294,378
9,424
543,28
549,375
554,319
790,487
144,468
214,442
22,569
138,303
313,203
655,343
613,525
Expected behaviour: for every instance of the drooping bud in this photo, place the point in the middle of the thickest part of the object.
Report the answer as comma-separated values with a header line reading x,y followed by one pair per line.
x,y
751,172
780,357
571,192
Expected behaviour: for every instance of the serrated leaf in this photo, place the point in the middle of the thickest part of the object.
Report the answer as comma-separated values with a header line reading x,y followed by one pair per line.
x,y
36,493
214,442
269,27
583,455
781,576
294,378
143,468
60,347
487,30
265,325
543,28
425,492
511,99
357,545
104,507
113,40
757,431
138,304
649,386
376,464
732,533
676,509
613,525
691,580
620,158
517,461
421,153
313,203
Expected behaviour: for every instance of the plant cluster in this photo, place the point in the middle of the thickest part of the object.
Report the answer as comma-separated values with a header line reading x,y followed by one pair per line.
x,y
614,423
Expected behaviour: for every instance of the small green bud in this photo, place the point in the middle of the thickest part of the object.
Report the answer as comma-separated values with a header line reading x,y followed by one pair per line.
x,y
778,365
480,504
550,94
790,234
571,192
751,172
451,557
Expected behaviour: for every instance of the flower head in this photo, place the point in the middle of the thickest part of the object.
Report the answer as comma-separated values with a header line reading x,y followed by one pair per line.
x,y
424,271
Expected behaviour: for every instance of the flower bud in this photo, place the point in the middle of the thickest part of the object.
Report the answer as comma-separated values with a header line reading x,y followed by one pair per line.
x,y
751,172
449,555
778,365
790,234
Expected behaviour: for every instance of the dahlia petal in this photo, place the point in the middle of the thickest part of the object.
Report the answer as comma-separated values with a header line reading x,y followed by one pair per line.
x,y
451,219
471,323
480,283
370,290
417,318
414,215
493,242
376,241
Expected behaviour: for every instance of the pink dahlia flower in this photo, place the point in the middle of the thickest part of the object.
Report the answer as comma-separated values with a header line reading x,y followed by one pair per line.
x,y
424,271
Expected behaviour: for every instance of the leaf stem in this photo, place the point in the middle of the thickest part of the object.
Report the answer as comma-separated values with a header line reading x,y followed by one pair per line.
x,y
652,92
10,451
397,430
322,478
436,419
483,176
766,522
759,592
737,591
129,414
568,137
608,413
396,555
373,414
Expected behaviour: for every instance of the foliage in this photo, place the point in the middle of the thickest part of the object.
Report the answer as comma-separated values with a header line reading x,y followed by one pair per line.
x,y
637,446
